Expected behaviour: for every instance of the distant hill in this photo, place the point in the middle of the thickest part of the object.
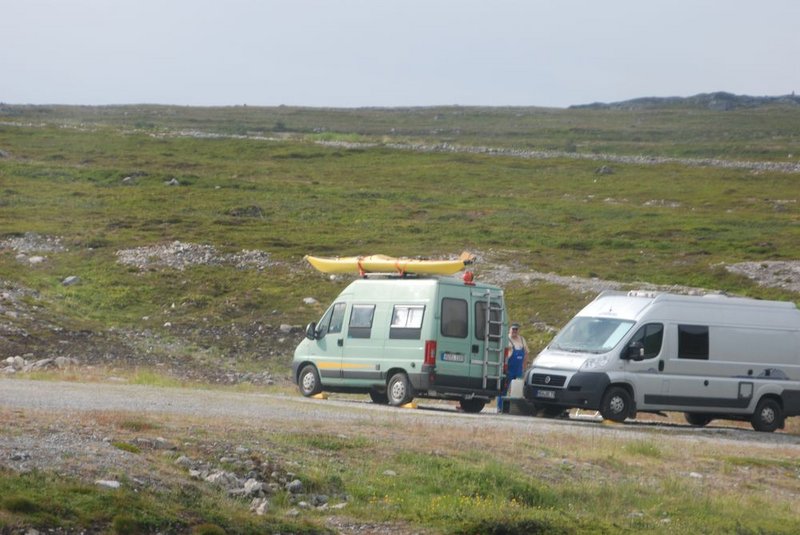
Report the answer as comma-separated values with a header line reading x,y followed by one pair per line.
x,y
719,101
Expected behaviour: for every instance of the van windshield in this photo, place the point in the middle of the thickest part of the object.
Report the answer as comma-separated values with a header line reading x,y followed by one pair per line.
x,y
591,335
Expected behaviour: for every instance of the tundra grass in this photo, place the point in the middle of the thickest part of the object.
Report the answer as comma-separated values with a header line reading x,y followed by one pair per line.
x,y
766,133
535,485
103,190
431,477
47,501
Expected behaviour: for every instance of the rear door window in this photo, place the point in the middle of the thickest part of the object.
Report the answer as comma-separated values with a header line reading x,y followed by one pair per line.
x,y
480,320
454,317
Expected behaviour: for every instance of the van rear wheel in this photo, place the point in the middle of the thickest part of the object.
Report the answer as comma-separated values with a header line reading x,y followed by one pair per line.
x,y
768,416
473,405
308,381
697,420
399,390
616,404
380,398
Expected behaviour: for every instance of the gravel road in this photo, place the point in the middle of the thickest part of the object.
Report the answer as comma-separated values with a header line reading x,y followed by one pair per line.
x,y
67,397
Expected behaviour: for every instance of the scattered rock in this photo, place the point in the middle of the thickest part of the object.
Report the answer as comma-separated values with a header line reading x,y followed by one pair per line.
x,y
179,255
318,500
253,487
295,486
184,461
172,182
310,301
69,281
259,506
31,242
63,363
226,480
109,484
775,274
604,170
247,211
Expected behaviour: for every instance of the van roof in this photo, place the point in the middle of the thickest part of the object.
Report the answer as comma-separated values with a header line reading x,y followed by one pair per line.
x,y
634,305
419,281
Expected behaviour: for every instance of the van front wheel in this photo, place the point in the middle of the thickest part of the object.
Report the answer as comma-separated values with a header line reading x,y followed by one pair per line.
x,y
399,390
616,404
768,416
309,382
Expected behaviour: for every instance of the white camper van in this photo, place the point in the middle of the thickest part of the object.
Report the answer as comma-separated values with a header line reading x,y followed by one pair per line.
x,y
709,357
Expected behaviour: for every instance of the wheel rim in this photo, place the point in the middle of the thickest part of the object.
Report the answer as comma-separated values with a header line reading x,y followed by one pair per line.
x,y
767,415
616,404
398,391
309,382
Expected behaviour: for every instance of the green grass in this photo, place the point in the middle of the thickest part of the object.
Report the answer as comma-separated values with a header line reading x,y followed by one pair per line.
x,y
664,224
667,224
43,500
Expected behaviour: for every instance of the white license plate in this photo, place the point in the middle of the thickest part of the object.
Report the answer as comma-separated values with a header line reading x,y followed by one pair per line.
x,y
453,357
549,394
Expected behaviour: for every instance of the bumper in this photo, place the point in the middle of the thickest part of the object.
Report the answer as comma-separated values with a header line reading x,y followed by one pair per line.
x,y
582,390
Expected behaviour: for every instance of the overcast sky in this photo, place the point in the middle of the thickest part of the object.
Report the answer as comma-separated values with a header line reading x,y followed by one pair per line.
x,y
351,53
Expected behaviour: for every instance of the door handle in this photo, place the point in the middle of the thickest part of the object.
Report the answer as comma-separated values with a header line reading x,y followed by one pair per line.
x,y
340,342
475,348
661,365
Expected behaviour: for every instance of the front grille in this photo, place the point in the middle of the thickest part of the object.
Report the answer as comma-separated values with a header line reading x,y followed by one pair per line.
x,y
541,379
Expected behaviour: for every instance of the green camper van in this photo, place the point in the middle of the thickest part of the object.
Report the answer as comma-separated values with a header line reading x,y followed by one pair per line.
x,y
397,338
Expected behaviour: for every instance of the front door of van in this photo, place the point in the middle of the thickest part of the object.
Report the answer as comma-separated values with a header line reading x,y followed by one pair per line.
x,y
329,342
643,359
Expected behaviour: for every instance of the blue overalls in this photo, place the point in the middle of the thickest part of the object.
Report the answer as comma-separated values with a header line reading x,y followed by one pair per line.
x,y
514,371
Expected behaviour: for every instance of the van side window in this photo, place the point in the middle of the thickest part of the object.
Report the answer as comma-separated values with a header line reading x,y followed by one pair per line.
x,y
337,318
361,321
650,336
331,322
480,321
693,342
454,317
406,322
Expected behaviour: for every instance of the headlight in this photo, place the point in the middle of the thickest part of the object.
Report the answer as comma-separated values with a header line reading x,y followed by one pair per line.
x,y
594,362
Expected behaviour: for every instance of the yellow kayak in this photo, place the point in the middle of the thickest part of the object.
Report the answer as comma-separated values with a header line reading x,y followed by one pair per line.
x,y
386,264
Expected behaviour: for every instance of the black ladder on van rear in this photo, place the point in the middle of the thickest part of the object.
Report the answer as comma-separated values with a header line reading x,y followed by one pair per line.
x,y
493,350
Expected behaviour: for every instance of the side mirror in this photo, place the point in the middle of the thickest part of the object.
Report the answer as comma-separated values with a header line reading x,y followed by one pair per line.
x,y
635,351
311,331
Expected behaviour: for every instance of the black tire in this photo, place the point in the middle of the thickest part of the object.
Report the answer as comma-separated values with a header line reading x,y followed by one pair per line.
x,y
768,416
555,412
696,419
399,390
308,381
473,405
616,404
381,398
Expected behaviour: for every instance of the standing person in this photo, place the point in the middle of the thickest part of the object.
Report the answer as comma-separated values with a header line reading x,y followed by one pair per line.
x,y
516,362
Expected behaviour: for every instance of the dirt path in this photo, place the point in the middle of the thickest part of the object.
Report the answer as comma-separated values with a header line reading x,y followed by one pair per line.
x,y
74,398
